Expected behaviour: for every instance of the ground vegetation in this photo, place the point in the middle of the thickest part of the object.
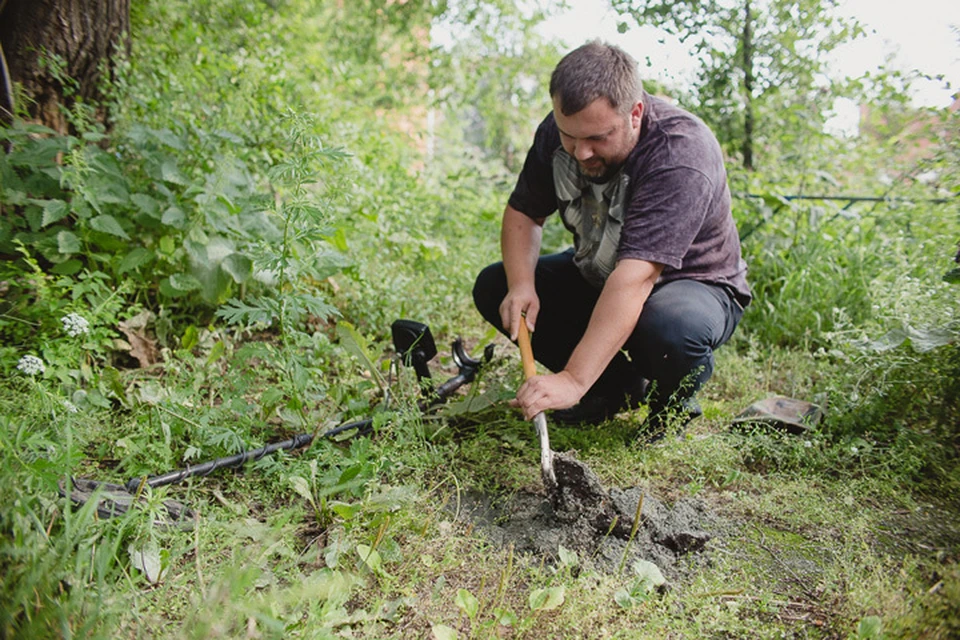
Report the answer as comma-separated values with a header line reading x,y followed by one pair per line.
x,y
220,270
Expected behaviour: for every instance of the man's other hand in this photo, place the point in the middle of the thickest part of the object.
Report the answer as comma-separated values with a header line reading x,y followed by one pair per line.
x,y
552,391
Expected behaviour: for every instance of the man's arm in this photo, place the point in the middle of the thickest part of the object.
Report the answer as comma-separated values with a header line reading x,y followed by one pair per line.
x,y
613,320
520,237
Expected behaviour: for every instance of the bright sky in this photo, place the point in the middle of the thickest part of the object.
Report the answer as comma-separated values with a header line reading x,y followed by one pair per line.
x,y
923,35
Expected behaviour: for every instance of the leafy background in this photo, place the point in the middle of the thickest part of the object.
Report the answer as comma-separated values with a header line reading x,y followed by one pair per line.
x,y
281,180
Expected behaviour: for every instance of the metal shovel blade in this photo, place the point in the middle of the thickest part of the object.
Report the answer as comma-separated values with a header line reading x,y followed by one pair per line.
x,y
546,454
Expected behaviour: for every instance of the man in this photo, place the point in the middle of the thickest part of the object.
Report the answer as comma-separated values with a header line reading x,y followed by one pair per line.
x,y
655,281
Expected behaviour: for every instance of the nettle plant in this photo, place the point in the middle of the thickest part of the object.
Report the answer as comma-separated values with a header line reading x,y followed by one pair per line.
x,y
130,206
292,265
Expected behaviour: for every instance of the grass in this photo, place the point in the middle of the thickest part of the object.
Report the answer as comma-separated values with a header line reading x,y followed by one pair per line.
x,y
808,541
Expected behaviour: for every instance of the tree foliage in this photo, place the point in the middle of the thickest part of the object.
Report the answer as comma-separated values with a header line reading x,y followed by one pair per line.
x,y
763,82
492,76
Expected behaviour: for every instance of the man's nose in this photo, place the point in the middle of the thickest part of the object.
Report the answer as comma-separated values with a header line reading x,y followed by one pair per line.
x,y
583,151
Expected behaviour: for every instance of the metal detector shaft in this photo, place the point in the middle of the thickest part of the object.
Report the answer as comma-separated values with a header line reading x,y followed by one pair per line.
x,y
468,372
237,460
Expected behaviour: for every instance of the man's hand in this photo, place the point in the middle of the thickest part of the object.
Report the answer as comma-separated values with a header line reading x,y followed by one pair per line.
x,y
519,301
553,391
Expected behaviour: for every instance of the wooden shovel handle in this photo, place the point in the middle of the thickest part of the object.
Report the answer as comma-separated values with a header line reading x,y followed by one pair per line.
x,y
526,351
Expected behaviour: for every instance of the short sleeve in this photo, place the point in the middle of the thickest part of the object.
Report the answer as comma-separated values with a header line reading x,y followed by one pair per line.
x,y
534,194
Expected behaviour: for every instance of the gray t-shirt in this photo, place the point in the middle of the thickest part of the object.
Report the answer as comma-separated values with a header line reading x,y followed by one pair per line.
x,y
669,204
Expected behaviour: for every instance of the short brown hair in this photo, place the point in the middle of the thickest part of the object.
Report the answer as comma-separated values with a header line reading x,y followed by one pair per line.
x,y
596,70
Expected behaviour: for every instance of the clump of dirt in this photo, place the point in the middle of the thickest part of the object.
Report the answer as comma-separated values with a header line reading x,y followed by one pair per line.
x,y
579,495
598,524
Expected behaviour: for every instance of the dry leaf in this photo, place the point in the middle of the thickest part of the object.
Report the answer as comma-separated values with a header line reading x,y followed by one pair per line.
x,y
142,346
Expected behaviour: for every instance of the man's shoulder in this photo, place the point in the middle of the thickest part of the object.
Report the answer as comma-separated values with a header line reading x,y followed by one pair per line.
x,y
666,118
673,136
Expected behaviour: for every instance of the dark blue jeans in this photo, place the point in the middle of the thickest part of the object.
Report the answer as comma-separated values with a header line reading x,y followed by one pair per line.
x,y
672,345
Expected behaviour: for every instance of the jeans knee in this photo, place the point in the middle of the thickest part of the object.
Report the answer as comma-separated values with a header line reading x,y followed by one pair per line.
x,y
672,339
489,290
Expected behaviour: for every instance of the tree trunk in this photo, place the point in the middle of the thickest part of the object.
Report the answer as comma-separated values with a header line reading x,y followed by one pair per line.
x,y
747,148
748,88
59,50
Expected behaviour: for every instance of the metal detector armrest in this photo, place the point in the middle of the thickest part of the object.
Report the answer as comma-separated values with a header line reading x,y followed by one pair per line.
x,y
415,345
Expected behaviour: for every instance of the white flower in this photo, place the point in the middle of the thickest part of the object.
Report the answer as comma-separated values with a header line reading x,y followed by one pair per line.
x,y
31,365
854,450
75,325
807,444
70,407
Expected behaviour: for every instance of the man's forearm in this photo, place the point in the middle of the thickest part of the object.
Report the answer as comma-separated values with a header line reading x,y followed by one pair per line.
x,y
614,318
520,243
520,238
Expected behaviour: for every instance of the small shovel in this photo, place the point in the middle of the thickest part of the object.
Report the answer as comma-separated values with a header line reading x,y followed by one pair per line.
x,y
539,420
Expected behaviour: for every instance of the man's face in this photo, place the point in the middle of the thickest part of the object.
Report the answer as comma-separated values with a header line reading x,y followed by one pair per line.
x,y
598,137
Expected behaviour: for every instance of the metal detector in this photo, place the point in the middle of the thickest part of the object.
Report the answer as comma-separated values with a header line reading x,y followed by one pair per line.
x,y
414,346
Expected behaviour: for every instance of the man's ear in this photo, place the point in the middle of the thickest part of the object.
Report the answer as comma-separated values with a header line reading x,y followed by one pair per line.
x,y
636,114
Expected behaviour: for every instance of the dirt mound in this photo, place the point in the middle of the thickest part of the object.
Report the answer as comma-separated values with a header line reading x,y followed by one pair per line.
x,y
597,523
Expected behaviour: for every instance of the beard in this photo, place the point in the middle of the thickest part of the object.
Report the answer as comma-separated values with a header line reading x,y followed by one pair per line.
x,y
598,170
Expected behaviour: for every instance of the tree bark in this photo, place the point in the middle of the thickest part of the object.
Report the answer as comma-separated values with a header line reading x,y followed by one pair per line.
x,y
747,147
58,51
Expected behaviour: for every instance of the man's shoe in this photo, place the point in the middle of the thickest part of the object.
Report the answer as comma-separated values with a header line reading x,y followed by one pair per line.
x,y
596,409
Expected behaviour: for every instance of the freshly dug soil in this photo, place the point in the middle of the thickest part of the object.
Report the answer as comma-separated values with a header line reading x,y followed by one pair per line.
x,y
597,523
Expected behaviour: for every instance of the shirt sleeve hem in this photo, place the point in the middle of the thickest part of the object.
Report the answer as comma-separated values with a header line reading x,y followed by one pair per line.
x,y
671,261
525,208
